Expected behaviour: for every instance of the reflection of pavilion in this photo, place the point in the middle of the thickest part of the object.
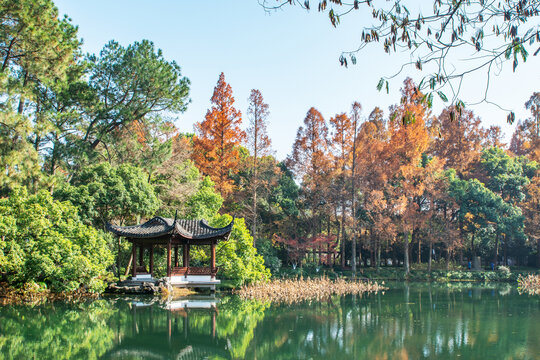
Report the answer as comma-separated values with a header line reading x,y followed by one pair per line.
x,y
178,329
174,233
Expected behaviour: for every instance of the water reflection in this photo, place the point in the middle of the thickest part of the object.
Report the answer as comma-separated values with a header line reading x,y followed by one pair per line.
x,y
407,322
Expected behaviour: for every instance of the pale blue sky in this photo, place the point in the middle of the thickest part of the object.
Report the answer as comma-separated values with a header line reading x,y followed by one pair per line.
x,y
291,56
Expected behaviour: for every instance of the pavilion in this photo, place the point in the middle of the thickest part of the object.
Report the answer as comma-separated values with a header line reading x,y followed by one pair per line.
x,y
174,233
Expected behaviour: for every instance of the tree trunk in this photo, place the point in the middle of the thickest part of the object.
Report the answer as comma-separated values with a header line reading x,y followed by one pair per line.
x,y
406,251
419,249
496,252
378,254
430,253
538,252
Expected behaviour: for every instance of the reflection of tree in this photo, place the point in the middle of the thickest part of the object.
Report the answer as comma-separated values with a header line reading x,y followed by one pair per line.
x,y
417,323
237,322
56,331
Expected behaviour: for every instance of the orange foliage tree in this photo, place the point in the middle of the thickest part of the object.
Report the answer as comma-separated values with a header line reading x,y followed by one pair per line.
x,y
342,142
311,163
218,137
409,140
457,141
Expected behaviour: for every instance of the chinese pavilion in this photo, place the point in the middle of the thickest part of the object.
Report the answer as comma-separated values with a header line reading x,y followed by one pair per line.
x,y
174,233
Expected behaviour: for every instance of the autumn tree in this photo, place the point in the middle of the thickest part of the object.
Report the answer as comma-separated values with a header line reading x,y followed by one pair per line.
x,y
342,143
259,145
370,179
457,139
218,137
310,162
409,139
526,137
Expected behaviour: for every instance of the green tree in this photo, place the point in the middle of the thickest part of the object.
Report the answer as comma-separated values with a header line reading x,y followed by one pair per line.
x,y
130,83
104,193
236,258
44,241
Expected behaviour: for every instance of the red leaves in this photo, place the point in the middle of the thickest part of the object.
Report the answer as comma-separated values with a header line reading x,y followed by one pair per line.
x,y
215,147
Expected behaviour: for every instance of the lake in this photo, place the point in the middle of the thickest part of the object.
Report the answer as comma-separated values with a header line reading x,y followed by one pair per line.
x,y
466,321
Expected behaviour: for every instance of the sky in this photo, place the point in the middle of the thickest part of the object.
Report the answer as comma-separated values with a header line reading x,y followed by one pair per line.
x,y
290,55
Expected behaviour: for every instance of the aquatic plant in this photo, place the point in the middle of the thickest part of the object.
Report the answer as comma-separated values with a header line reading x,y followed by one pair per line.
x,y
290,291
529,284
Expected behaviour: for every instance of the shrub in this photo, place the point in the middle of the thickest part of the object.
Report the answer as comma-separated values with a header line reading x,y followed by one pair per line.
x,y
44,241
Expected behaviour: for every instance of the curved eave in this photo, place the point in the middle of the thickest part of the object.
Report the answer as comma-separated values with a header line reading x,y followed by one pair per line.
x,y
213,233
144,230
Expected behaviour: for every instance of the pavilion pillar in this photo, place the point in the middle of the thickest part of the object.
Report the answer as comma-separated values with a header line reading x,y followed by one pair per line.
x,y
176,256
169,259
212,256
141,254
185,257
133,260
152,260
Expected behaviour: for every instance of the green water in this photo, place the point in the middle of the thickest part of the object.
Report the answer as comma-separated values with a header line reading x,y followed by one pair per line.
x,y
406,322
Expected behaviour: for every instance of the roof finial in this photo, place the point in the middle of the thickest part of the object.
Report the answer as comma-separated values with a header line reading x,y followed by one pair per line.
x,y
175,216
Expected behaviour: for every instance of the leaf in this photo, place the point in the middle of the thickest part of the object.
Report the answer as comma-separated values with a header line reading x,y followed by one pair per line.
x,y
442,96
380,84
511,118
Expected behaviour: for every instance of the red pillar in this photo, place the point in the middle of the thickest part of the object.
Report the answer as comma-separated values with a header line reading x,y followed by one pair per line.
x,y
169,259
133,260
176,256
141,254
185,257
152,260
212,256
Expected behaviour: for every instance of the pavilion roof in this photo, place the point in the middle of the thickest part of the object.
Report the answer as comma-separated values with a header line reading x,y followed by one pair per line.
x,y
159,226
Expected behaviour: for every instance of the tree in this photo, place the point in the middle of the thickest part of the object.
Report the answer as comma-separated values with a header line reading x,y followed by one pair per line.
x,y
434,34
457,139
531,212
36,50
526,137
236,258
409,139
343,141
259,145
310,162
35,46
130,84
44,241
104,194
216,144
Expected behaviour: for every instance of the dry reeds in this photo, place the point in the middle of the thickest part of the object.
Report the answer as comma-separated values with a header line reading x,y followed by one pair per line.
x,y
529,284
298,290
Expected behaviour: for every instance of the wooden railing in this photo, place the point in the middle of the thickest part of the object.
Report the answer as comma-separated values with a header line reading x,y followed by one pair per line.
x,y
181,271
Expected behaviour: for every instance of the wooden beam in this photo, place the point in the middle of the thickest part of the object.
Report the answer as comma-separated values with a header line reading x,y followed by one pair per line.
x,y
169,259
